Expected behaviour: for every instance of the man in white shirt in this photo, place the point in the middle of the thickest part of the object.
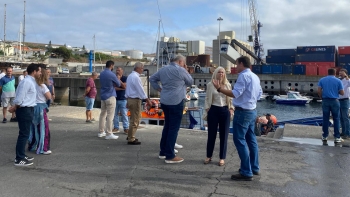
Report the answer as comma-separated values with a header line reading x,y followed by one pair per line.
x,y
21,77
344,104
3,73
134,94
24,107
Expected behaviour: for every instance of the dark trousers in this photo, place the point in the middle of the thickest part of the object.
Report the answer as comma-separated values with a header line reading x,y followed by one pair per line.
x,y
172,117
218,116
25,117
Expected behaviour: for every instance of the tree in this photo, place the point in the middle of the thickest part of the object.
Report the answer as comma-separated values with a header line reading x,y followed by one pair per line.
x,y
83,47
65,45
49,46
63,52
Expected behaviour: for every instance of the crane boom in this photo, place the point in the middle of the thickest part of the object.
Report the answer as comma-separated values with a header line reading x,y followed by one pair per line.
x,y
255,28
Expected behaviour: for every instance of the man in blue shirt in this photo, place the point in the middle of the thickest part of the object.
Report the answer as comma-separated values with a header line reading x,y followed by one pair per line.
x,y
24,107
121,104
7,86
108,82
246,92
329,88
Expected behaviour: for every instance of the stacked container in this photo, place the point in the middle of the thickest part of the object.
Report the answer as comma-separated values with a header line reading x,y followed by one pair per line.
x,y
344,57
280,56
317,59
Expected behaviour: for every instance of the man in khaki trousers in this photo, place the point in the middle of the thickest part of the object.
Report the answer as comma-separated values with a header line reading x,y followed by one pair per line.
x,y
134,94
108,82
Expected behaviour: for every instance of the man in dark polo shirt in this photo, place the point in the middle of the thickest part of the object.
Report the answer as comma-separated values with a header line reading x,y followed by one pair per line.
x,y
121,104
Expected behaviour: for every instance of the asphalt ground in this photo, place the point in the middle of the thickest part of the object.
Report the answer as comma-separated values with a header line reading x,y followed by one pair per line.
x,y
81,164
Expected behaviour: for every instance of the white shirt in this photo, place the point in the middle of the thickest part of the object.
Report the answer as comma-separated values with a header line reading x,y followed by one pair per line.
x,y
20,78
134,89
346,86
2,75
219,99
41,91
26,93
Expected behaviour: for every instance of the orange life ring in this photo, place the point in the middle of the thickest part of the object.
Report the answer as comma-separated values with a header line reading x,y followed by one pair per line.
x,y
153,112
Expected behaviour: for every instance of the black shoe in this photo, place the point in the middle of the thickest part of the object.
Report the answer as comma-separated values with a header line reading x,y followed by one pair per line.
x,y
342,134
23,162
135,142
256,173
4,120
345,137
13,120
29,158
127,138
239,177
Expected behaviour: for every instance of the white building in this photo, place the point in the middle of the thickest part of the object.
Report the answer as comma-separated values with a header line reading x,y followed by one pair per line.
x,y
134,54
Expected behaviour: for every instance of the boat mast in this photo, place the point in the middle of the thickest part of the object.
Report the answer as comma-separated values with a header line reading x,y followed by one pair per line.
x,y
158,45
4,32
24,23
20,42
94,50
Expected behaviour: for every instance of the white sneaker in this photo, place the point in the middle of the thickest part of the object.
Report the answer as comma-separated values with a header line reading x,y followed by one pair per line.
x,y
111,137
101,134
47,152
176,151
178,146
161,157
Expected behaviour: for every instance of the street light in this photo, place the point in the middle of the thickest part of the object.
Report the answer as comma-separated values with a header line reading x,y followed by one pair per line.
x,y
219,19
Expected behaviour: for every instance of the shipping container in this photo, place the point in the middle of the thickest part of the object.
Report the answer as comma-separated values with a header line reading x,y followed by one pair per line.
x,y
315,49
344,64
344,59
287,69
276,69
347,67
311,70
256,69
344,50
299,69
283,59
323,70
325,57
233,70
266,69
279,52
329,64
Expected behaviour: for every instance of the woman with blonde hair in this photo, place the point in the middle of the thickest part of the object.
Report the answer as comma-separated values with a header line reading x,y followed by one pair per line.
x,y
218,112
39,138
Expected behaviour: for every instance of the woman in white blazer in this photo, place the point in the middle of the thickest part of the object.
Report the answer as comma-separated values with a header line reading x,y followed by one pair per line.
x,y
218,112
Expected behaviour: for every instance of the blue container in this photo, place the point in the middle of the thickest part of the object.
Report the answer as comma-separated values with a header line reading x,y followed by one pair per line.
x,y
278,52
299,69
276,69
347,67
283,59
344,59
326,57
266,69
256,69
287,69
315,49
344,64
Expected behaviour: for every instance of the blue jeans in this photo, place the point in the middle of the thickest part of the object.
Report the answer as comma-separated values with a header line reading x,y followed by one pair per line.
x,y
331,106
121,107
344,116
25,117
245,141
172,121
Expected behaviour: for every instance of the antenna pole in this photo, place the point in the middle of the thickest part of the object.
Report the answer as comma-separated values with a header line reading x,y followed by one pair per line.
x,y
94,50
5,32
24,23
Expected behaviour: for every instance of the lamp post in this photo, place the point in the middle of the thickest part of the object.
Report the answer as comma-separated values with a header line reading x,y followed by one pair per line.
x,y
219,19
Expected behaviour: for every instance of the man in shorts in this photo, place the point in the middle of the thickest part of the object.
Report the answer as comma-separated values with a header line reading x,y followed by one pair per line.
x,y
7,86
90,95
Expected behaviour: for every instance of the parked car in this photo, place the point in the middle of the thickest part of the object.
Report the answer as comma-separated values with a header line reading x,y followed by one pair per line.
x,y
65,71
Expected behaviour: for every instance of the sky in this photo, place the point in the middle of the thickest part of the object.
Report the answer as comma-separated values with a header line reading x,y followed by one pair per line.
x,y
133,24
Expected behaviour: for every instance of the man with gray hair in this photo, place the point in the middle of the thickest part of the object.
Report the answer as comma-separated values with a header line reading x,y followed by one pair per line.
x,y
90,95
174,80
134,94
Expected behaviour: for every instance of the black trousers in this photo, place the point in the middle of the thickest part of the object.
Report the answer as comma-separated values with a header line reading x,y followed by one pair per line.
x,y
25,117
218,116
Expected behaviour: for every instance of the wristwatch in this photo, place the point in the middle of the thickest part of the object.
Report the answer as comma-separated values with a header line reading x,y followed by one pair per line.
x,y
218,89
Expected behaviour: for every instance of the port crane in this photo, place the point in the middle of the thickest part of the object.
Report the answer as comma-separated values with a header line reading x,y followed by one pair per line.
x,y
228,50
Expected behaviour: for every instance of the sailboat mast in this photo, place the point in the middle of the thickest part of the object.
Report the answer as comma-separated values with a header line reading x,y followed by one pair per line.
x,y
158,43
24,23
94,50
5,32
20,42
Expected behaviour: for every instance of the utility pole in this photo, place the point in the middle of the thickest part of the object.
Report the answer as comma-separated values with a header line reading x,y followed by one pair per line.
x,y
94,49
158,43
24,23
5,32
20,42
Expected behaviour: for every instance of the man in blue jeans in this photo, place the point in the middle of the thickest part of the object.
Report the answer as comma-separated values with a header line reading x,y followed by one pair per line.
x,y
246,92
174,79
329,89
344,104
121,104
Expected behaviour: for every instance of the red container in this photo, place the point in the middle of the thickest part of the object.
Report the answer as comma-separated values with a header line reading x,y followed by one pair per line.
x,y
323,70
233,70
329,64
311,70
344,50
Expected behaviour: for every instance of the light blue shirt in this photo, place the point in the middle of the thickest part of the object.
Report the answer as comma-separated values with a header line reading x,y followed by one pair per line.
x,y
26,92
330,87
108,80
247,90
174,80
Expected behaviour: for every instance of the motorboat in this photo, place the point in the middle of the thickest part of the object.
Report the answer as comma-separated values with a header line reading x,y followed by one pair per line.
x,y
263,96
307,98
196,92
292,98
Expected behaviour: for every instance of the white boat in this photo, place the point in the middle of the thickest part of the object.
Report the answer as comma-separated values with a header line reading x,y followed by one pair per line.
x,y
196,92
292,98
308,98
263,96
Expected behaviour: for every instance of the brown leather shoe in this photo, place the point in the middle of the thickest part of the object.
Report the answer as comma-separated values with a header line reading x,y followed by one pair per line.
x,y
126,131
135,142
115,130
175,160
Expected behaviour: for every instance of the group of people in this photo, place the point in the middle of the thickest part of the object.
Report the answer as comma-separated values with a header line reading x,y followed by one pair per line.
x,y
29,104
335,93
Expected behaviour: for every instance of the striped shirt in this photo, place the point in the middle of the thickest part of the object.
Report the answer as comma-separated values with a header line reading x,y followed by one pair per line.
x,y
174,81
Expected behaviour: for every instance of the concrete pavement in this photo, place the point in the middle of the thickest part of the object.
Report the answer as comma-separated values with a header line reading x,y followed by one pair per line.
x,y
81,164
